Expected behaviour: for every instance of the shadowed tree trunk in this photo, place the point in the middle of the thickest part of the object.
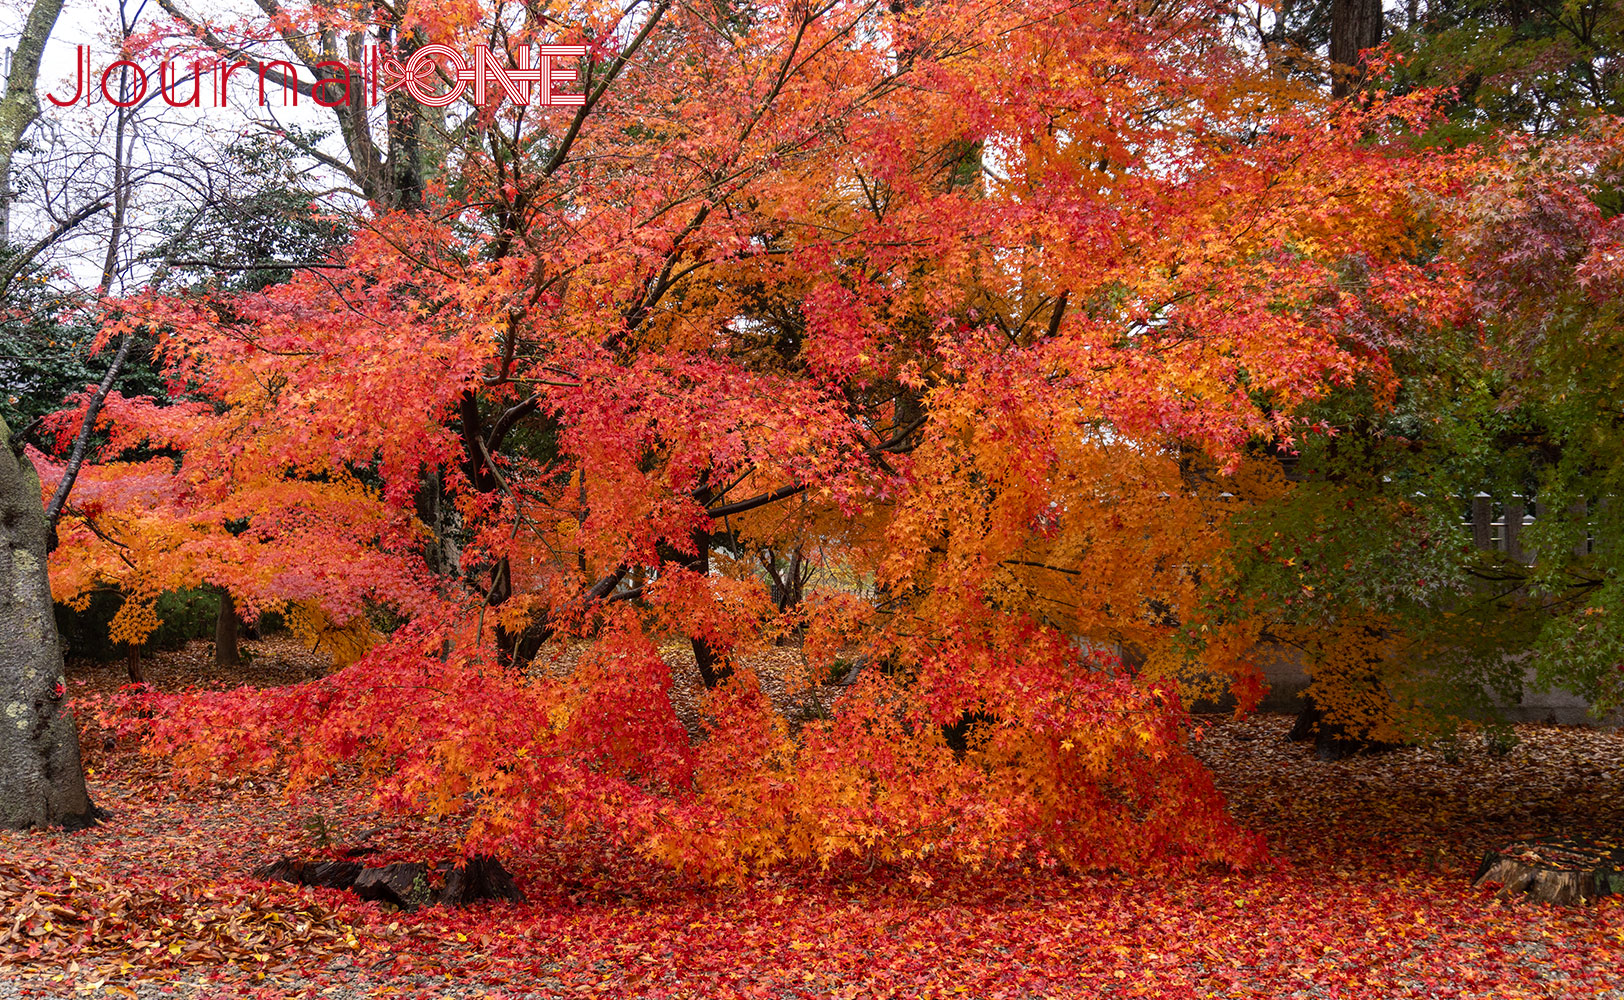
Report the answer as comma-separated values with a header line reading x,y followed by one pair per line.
x,y
713,669
226,653
1355,25
1332,740
42,782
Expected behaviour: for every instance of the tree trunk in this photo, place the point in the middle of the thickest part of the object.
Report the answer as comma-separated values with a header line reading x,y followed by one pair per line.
x,y
713,669
42,782
1332,740
20,105
226,653
132,662
87,426
1355,25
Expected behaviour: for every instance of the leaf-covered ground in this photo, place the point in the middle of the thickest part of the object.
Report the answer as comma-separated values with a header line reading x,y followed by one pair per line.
x,y
1370,898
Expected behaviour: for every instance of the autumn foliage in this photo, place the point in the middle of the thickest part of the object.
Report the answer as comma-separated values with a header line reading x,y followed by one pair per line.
x,y
1001,310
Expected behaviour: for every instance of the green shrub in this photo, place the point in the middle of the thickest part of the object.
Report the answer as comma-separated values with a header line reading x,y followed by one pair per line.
x,y
84,633
836,671
1453,753
184,614
271,622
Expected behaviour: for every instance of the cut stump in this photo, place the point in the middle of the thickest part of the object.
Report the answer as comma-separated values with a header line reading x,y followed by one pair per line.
x,y
1555,870
325,874
404,884
482,877
407,885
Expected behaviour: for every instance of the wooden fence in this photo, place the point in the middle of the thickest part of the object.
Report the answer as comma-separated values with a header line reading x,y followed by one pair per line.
x,y
1498,526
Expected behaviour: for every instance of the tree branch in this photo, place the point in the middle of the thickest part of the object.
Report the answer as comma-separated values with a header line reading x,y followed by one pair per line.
x,y
789,490
22,260
564,144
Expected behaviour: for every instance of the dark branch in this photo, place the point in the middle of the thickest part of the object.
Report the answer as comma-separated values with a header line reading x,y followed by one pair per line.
x,y
564,144
22,260
18,437
509,417
785,492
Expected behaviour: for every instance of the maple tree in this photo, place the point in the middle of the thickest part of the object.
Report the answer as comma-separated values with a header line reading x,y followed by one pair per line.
x,y
1082,352
996,304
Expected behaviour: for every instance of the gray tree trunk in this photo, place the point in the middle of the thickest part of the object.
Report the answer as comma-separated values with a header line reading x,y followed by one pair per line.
x,y
42,782
20,106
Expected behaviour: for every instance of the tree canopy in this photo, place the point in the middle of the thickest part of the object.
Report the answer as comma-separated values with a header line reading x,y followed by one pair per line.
x,y
1009,313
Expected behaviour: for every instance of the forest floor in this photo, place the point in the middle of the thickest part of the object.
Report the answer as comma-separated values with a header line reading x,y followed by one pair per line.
x,y
1370,895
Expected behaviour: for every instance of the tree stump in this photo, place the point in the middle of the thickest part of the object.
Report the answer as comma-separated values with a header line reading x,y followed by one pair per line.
x,y
405,884
325,874
483,877
1555,870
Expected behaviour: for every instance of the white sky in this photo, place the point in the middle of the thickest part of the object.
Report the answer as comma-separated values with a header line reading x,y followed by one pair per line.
x,y
72,154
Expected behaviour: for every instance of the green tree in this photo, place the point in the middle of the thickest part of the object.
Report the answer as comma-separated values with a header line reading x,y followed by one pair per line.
x,y
1519,65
